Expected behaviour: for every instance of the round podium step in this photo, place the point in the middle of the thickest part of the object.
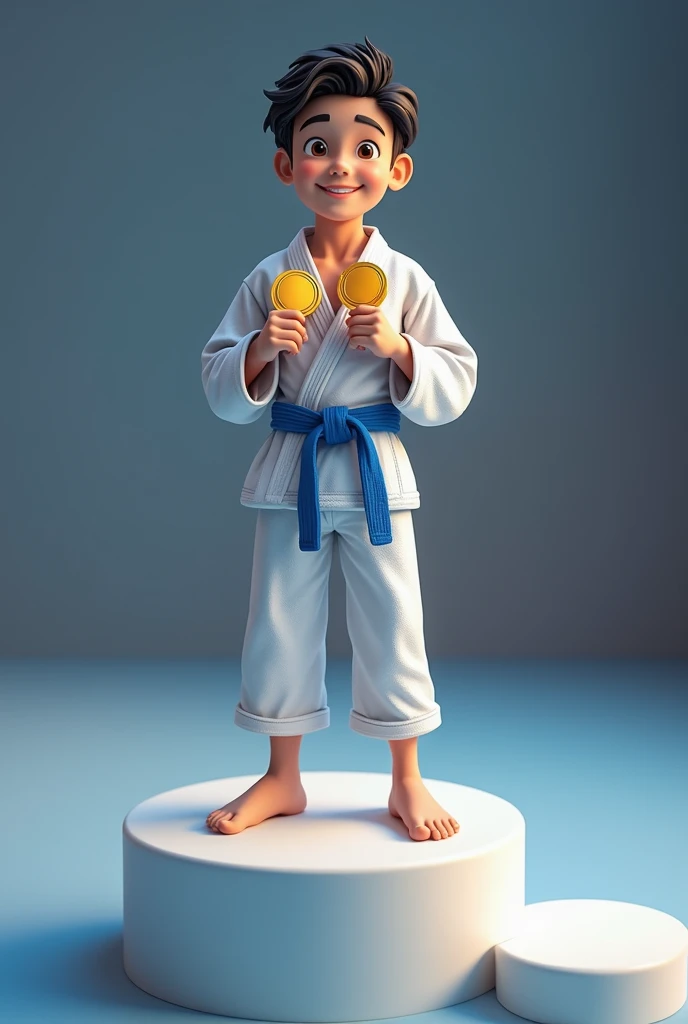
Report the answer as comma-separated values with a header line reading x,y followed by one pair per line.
x,y
330,915
593,962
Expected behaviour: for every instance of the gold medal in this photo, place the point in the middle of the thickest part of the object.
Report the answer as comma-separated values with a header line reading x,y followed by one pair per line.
x,y
296,289
362,284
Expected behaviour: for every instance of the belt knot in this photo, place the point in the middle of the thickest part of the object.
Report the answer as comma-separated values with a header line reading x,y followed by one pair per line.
x,y
336,429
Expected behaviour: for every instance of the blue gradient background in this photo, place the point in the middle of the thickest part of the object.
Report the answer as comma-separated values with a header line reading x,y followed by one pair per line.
x,y
548,203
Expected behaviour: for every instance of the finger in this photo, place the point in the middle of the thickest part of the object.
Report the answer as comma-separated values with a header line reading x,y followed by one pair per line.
x,y
363,318
363,308
293,349
293,314
291,326
294,336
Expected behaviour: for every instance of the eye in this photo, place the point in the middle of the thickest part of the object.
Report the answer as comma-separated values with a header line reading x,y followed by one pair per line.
x,y
315,147
367,150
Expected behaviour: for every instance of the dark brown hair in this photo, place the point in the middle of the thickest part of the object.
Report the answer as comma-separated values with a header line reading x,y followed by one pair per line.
x,y
342,69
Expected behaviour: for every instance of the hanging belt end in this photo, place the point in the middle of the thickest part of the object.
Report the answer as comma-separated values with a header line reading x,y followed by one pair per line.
x,y
381,538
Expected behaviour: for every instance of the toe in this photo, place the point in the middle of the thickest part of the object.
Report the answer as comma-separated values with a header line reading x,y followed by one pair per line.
x,y
419,832
455,825
434,831
227,824
441,827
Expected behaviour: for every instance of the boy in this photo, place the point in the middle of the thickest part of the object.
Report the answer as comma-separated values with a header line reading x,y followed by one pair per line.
x,y
341,129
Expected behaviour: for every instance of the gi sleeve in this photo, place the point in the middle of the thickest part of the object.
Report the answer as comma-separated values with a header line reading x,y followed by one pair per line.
x,y
445,366
223,359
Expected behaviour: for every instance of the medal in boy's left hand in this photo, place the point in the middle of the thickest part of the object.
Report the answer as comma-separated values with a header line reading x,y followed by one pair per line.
x,y
370,329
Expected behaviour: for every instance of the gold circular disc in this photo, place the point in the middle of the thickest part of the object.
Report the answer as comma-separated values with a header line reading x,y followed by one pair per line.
x,y
362,284
296,289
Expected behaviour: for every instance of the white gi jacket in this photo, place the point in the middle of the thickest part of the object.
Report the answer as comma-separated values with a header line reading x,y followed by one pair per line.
x,y
327,371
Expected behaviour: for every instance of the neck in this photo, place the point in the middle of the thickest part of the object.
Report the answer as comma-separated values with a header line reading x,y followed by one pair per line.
x,y
336,240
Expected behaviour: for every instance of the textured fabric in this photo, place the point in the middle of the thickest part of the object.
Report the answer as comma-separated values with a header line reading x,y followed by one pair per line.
x,y
284,658
338,424
329,372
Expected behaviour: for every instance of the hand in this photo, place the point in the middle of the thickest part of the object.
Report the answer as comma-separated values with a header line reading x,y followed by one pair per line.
x,y
370,329
284,331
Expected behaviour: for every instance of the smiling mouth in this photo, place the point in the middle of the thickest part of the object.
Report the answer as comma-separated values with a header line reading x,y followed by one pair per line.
x,y
343,190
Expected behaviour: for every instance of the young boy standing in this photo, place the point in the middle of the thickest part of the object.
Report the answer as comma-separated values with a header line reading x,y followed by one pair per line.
x,y
343,376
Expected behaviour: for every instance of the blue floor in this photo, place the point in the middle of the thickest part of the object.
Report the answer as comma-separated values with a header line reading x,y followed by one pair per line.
x,y
594,754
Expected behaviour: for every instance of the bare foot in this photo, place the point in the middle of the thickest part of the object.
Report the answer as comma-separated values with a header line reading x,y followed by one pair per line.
x,y
419,811
269,796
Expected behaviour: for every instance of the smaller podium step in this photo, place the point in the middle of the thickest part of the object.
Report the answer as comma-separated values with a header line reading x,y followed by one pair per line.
x,y
593,962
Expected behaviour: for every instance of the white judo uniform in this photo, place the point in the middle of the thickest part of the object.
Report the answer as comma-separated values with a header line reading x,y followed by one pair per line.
x,y
283,659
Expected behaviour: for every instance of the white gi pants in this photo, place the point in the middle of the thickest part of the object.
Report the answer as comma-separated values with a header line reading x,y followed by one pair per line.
x,y
283,660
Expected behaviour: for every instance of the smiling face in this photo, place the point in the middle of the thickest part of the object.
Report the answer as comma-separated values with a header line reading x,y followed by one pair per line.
x,y
342,150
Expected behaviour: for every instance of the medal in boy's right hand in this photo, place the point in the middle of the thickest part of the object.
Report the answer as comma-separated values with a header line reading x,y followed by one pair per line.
x,y
296,289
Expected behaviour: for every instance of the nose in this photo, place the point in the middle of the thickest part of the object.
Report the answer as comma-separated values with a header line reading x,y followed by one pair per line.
x,y
338,165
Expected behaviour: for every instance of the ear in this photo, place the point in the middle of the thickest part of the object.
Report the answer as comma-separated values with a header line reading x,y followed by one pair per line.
x,y
283,167
401,172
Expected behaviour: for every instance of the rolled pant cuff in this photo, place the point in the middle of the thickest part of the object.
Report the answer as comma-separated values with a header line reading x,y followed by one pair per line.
x,y
395,730
296,726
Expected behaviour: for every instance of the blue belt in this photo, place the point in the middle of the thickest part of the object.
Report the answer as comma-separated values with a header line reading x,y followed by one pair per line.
x,y
337,424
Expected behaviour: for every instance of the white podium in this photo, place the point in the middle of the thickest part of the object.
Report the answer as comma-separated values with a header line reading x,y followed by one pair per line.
x,y
330,915
337,915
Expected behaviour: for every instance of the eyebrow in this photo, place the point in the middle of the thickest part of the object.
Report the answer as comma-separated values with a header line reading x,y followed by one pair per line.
x,y
361,118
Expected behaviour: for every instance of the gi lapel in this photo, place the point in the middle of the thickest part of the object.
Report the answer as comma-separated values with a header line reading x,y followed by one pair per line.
x,y
334,344
335,339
